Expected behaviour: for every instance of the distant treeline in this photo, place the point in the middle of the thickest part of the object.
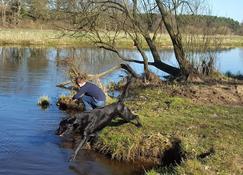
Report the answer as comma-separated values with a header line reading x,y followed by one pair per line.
x,y
49,14
198,24
224,25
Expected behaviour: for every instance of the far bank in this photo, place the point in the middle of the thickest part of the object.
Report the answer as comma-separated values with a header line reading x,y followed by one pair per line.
x,y
58,38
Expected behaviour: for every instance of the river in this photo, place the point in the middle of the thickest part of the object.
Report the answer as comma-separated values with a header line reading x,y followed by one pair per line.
x,y
28,145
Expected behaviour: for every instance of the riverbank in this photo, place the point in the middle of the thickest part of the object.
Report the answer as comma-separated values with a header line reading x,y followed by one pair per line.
x,y
55,38
41,38
208,130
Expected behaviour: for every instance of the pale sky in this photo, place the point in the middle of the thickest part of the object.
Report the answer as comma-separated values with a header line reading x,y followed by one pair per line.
x,y
228,8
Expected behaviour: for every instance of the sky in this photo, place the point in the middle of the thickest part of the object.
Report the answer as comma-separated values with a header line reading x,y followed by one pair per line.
x,y
228,8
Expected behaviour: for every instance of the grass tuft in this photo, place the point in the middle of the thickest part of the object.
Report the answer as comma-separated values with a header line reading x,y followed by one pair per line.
x,y
44,102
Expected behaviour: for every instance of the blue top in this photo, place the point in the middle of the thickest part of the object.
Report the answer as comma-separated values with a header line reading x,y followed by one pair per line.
x,y
91,90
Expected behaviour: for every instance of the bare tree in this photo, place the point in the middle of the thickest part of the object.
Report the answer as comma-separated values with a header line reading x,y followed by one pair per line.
x,y
3,8
200,38
107,21
169,11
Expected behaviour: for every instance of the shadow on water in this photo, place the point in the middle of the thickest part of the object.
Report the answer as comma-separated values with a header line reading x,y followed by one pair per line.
x,y
28,145
94,164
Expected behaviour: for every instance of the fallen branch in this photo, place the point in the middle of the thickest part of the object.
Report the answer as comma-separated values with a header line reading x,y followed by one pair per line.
x,y
90,77
61,85
128,68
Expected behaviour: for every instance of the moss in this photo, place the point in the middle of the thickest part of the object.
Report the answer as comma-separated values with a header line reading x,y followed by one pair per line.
x,y
200,127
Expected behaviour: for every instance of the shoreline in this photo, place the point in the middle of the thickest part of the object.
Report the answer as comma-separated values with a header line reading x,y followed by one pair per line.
x,y
200,126
199,123
54,38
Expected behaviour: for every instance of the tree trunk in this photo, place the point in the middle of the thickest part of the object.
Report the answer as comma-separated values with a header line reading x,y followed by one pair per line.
x,y
3,16
167,68
185,66
144,56
157,60
128,68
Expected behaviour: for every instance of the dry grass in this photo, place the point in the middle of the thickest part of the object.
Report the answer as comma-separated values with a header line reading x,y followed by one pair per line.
x,y
49,38
37,37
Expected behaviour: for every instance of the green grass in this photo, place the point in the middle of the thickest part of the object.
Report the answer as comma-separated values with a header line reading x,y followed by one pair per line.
x,y
44,101
47,38
199,127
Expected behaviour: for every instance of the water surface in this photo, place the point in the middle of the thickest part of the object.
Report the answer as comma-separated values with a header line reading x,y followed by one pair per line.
x,y
28,145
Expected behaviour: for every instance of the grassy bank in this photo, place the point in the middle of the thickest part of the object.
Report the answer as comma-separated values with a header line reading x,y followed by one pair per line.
x,y
44,38
54,38
200,127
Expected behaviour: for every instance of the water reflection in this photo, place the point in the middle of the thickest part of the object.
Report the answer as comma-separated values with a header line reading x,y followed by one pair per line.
x,y
28,145
17,65
27,141
225,60
230,61
87,165
92,61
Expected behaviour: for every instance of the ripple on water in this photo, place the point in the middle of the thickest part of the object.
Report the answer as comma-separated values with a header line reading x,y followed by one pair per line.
x,y
8,146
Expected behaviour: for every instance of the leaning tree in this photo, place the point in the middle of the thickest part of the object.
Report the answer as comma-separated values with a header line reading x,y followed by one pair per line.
x,y
106,22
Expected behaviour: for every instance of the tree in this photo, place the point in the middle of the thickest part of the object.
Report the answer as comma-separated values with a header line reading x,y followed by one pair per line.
x,y
10,11
106,21
126,17
168,11
3,8
35,9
